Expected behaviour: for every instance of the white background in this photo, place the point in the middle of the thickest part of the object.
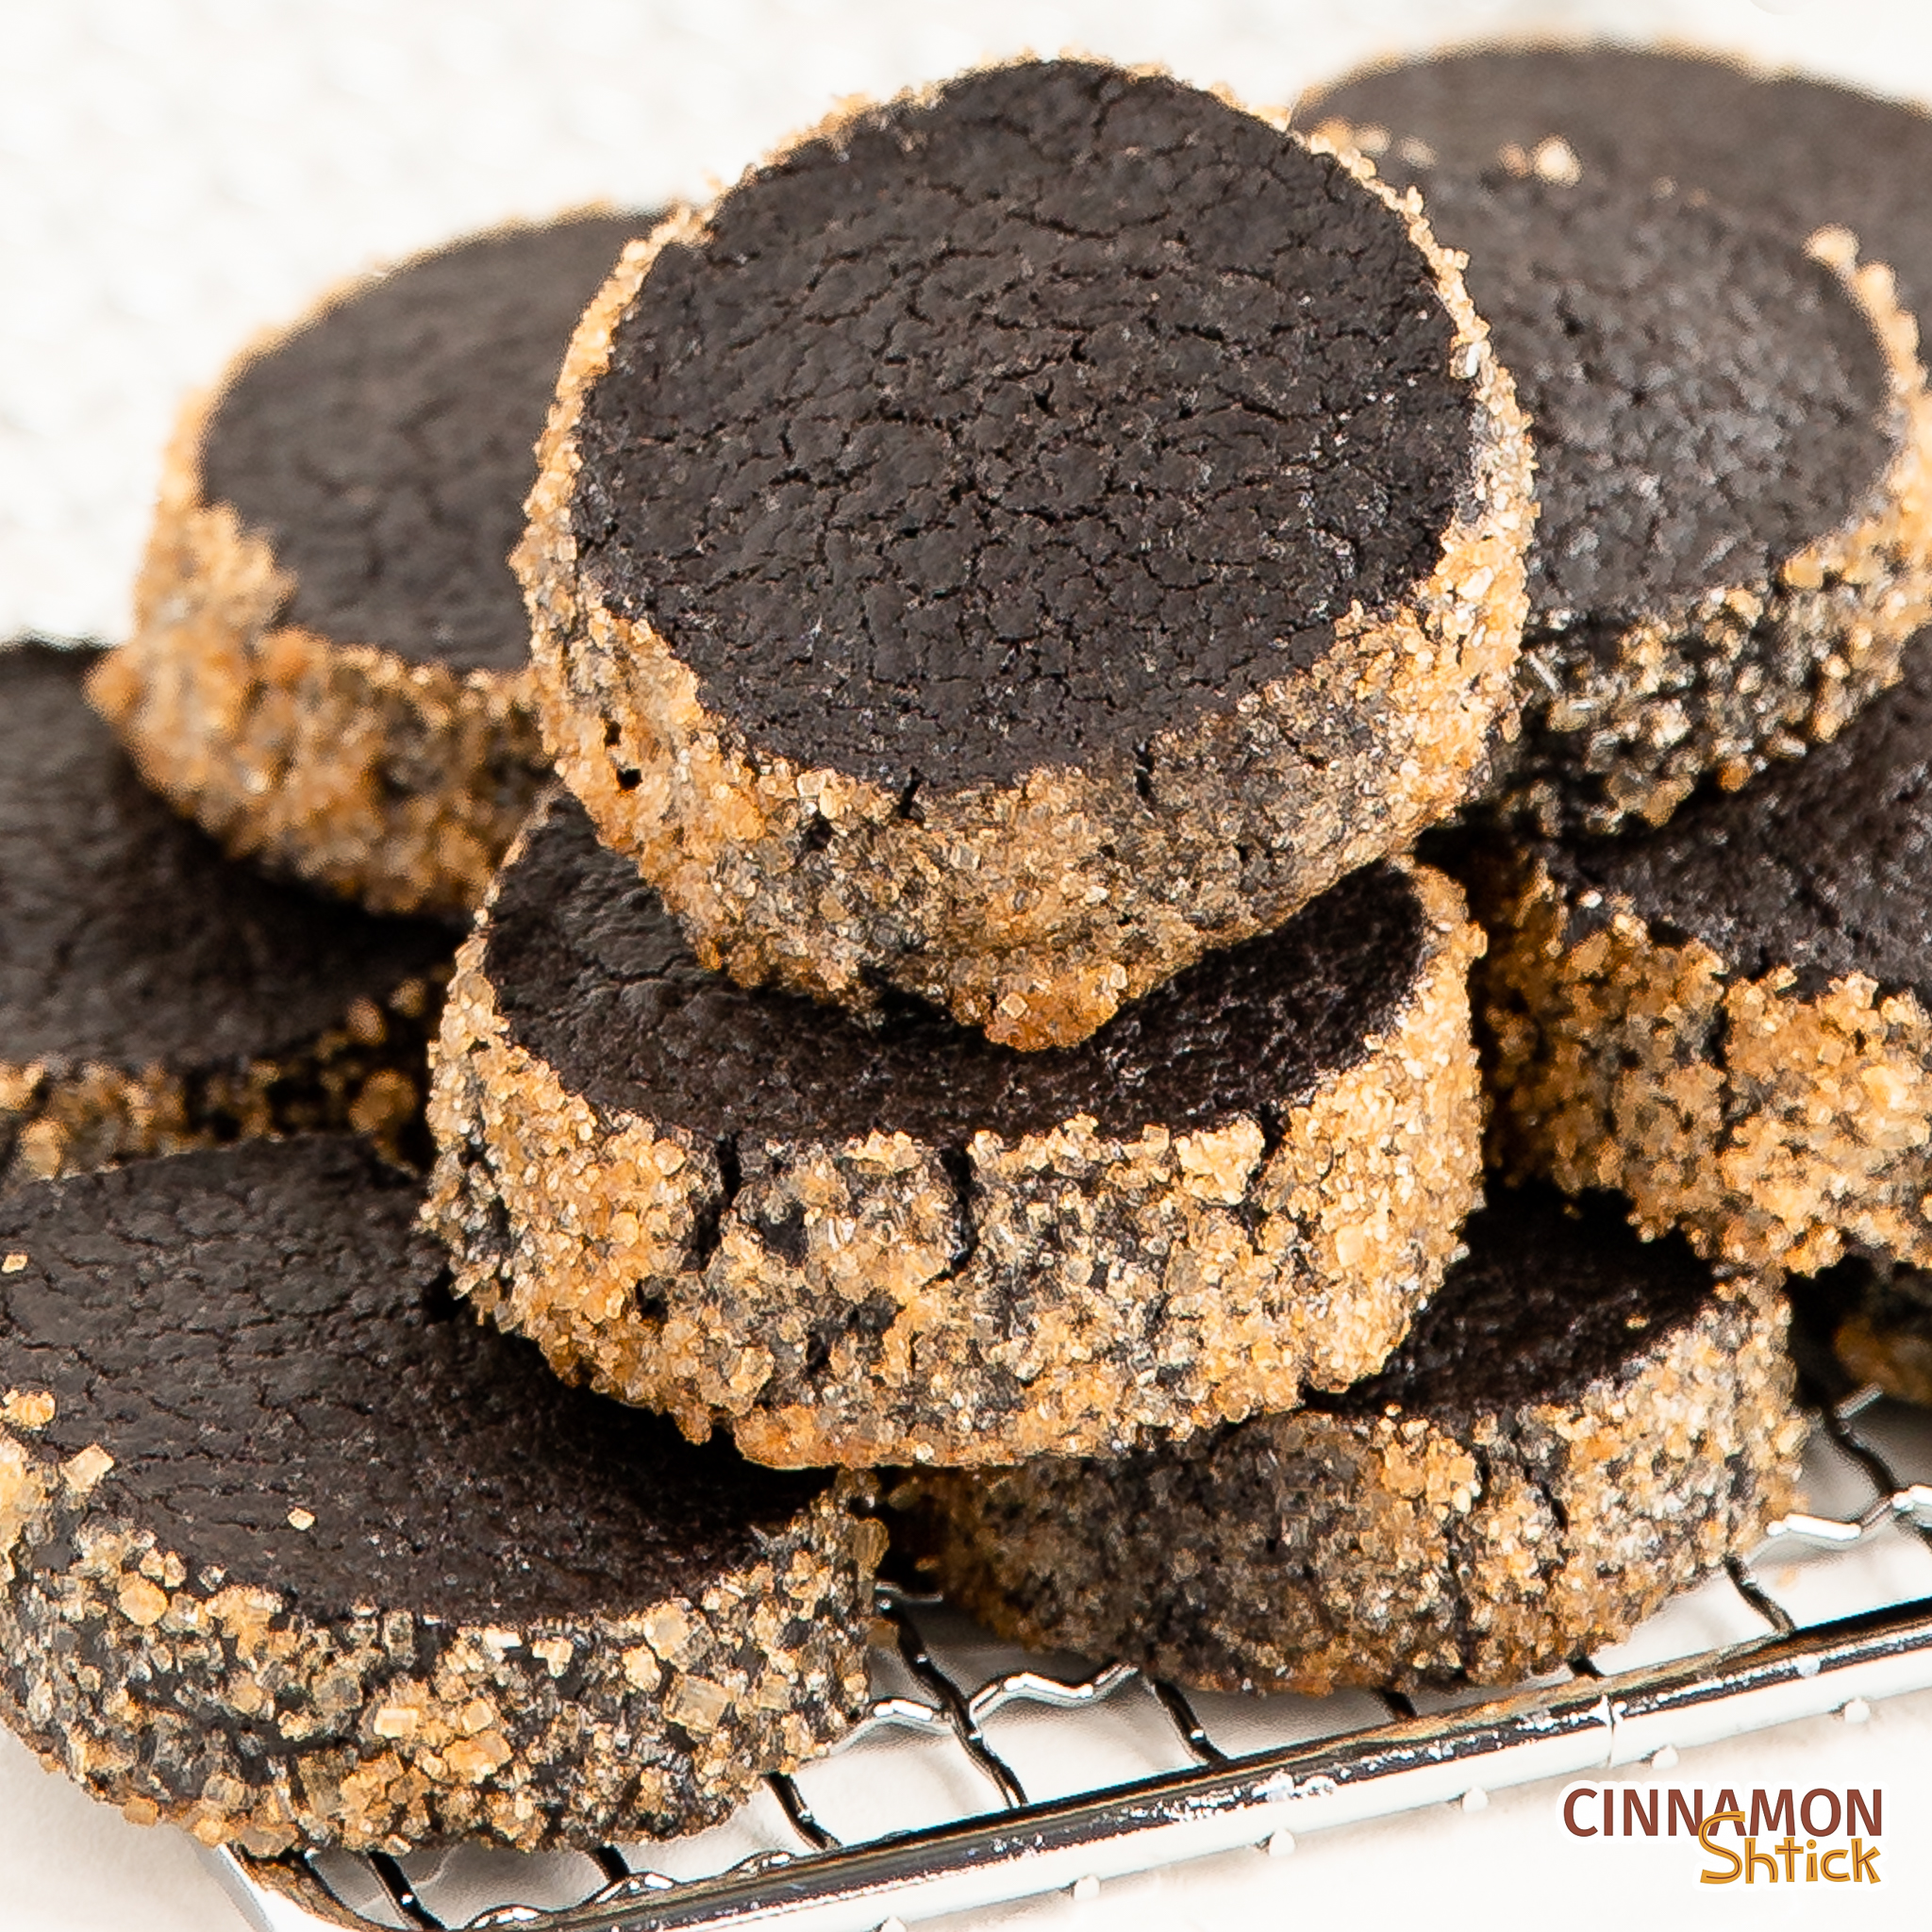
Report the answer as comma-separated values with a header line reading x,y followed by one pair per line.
x,y
177,173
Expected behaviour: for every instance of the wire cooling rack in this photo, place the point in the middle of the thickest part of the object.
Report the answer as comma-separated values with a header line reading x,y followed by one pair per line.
x,y
982,1776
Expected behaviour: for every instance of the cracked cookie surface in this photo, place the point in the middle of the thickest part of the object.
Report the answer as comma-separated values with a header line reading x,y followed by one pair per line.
x,y
1023,536
294,1552
1577,1424
853,1242
329,666
154,994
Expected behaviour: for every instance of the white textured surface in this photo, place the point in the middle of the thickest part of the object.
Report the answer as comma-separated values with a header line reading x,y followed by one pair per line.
x,y
177,173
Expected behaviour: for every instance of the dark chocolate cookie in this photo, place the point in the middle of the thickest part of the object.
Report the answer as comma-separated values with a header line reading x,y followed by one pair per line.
x,y
296,1553
154,994
1727,1017
1020,539
1734,453
1576,1425
329,665
858,1243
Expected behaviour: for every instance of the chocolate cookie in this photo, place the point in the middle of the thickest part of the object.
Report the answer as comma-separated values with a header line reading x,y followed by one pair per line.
x,y
329,665
857,1243
1577,1425
155,995
1727,1017
292,1552
1734,453
1022,538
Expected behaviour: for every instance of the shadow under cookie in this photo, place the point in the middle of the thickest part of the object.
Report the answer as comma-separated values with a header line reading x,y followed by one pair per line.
x,y
1875,1319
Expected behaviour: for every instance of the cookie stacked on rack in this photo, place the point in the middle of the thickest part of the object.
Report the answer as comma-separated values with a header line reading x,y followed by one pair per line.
x,y
1010,584
1699,986
998,602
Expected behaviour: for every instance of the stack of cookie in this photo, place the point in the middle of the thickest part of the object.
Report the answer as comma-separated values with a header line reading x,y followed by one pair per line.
x,y
1009,624
1008,586
1010,609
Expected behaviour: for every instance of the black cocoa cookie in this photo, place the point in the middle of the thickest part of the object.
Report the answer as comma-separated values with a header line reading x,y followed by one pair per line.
x,y
1734,471
154,994
295,1553
1727,1017
329,665
1577,1424
856,1242
1020,539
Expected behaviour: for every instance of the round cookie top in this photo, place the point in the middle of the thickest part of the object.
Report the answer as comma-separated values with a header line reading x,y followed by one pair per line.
x,y
125,936
268,1349
1553,1295
385,447
1823,864
1799,154
593,977
1020,421
1707,399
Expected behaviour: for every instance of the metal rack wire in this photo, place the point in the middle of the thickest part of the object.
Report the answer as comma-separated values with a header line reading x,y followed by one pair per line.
x,y
1344,1759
